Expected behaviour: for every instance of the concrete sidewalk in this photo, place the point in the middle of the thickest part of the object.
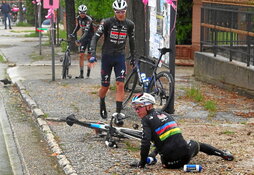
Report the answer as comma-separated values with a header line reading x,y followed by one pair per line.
x,y
50,101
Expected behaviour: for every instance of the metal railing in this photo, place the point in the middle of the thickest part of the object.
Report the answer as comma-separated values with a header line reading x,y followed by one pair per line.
x,y
228,30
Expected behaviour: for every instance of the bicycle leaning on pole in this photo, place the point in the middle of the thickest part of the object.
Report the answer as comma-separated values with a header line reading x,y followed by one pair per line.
x,y
160,85
66,59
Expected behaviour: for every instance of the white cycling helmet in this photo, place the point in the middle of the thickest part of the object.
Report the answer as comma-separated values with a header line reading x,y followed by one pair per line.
x,y
119,5
82,9
144,99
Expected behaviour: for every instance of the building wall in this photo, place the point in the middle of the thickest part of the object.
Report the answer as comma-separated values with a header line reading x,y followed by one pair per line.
x,y
220,71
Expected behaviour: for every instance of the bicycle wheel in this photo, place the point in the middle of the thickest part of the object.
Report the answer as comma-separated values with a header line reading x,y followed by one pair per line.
x,y
129,87
162,89
66,63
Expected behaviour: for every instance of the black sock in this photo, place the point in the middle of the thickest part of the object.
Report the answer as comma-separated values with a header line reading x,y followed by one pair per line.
x,y
119,105
102,102
88,72
210,150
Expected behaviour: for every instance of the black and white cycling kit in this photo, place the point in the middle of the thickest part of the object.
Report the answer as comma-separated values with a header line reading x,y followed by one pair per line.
x,y
163,131
113,49
86,24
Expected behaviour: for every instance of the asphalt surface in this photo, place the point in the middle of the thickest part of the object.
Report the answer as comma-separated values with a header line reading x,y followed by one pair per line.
x,y
77,149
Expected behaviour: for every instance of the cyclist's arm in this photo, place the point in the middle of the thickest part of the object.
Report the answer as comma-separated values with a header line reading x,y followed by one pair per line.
x,y
87,29
131,34
77,27
145,142
96,37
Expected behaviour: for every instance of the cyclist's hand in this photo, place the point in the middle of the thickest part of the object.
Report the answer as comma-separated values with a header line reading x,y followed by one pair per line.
x,y
91,62
137,164
78,43
132,62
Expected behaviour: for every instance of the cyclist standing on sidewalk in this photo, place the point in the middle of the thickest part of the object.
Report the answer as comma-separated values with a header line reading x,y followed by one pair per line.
x,y
116,30
84,22
163,131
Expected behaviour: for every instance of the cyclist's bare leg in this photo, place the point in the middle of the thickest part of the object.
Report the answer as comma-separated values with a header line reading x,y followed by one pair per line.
x,y
102,94
119,95
81,65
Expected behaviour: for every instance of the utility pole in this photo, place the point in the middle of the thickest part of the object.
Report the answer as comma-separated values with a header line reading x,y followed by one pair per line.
x,y
173,12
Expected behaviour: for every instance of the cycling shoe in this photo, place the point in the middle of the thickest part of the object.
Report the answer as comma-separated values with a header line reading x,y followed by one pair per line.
x,y
227,156
118,118
103,111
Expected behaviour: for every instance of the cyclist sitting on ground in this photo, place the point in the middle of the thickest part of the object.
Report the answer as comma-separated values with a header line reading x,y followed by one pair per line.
x,y
116,30
84,22
163,131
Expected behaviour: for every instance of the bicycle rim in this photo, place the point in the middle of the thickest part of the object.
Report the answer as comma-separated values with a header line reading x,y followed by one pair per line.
x,y
129,87
162,89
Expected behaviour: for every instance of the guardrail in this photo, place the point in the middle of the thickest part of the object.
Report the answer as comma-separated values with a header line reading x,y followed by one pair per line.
x,y
228,31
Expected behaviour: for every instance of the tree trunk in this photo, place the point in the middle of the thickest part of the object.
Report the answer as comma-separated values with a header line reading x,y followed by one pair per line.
x,y
137,13
70,20
21,17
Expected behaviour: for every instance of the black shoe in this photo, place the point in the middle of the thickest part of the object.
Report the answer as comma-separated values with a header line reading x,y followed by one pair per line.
x,y
227,156
81,76
119,119
10,28
103,111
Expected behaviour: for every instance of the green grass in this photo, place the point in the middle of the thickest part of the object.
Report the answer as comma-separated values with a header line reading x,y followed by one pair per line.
x,y
194,94
130,147
23,24
33,34
2,60
227,132
210,106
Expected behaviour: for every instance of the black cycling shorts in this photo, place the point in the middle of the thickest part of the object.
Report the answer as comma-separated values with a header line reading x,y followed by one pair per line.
x,y
193,149
85,45
108,62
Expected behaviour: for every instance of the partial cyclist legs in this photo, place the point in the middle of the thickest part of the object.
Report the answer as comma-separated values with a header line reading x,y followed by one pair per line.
x,y
119,96
102,94
81,65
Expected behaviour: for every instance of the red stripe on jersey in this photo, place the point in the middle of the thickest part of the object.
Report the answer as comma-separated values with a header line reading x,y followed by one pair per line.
x,y
118,33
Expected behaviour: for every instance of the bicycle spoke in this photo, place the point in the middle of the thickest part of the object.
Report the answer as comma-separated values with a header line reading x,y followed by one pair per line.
x,y
162,90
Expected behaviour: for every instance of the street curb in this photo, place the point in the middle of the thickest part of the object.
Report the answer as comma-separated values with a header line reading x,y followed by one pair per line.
x,y
46,131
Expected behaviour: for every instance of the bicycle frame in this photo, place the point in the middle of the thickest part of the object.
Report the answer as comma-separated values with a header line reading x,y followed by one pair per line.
x,y
151,63
110,130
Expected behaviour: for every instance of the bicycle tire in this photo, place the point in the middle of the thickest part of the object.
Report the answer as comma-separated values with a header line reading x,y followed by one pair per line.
x,y
129,87
132,133
163,90
66,63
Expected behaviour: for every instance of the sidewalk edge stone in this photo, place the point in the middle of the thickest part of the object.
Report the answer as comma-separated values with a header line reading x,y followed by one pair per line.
x,y
46,131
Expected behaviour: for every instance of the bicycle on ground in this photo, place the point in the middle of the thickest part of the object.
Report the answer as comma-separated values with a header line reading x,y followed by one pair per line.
x,y
66,59
111,133
160,85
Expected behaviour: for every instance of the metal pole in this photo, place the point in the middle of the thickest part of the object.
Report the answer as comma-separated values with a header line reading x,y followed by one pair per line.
x,y
52,44
39,24
170,109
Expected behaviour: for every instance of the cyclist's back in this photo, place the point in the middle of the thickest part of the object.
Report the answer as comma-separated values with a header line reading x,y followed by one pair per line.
x,y
166,135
